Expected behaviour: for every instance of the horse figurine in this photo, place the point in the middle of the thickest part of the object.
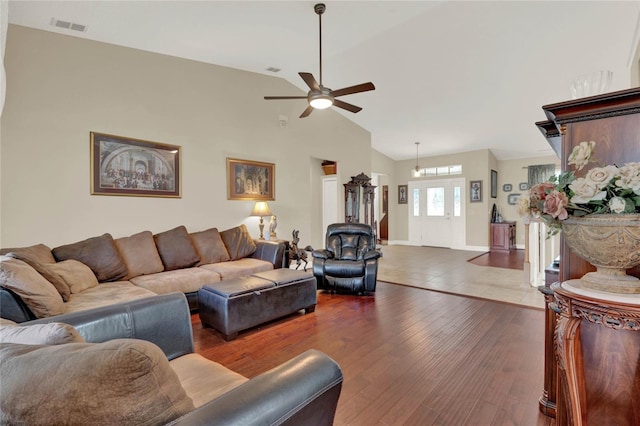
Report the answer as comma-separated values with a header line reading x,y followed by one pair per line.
x,y
300,256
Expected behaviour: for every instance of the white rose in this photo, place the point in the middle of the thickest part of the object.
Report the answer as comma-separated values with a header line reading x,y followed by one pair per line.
x,y
601,176
629,177
581,154
585,191
617,204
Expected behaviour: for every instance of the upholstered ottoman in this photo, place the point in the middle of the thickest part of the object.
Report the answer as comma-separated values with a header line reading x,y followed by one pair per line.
x,y
235,305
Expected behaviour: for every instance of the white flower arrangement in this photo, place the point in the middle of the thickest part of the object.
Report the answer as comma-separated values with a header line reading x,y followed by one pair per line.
x,y
607,189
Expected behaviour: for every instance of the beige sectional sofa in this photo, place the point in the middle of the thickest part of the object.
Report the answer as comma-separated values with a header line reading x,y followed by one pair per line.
x,y
39,282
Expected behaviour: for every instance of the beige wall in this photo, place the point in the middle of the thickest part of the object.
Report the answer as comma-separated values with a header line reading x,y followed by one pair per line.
x,y
60,88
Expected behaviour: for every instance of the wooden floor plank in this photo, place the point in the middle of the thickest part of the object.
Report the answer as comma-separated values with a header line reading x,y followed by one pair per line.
x,y
409,356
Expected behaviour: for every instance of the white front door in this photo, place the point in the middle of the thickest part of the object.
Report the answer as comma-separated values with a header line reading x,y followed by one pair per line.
x,y
436,213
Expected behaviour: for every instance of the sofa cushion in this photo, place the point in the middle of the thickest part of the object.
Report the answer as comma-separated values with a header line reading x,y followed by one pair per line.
x,y
176,249
123,381
140,254
106,294
185,280
40,252
238,242
98,253
76,275
43,269
239,268
210,246
38,294
204,380
54,333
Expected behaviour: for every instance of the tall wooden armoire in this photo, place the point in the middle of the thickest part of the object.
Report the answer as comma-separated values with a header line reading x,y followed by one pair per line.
x,y
610,370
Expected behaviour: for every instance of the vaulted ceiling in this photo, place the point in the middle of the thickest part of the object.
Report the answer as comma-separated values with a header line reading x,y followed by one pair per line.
x,y
453,75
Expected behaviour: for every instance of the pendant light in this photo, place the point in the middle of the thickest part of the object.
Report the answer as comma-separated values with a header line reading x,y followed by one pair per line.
x,y
417,169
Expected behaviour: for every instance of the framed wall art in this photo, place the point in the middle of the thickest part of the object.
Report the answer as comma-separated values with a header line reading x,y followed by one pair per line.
x,y
402,194
513,199
250,180
494,184
127,166
507,187
475,191
523,186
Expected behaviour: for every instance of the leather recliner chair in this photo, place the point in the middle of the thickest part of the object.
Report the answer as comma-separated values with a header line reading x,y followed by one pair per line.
x,y
349,263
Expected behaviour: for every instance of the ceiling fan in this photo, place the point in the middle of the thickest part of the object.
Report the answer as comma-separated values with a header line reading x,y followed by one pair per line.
x,y
321,97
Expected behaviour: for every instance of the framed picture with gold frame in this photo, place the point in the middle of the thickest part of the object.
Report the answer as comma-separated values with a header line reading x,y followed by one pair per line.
x,y
126,166
250,180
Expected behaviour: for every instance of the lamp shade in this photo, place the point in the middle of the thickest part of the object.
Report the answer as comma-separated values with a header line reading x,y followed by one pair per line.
x,y
261,208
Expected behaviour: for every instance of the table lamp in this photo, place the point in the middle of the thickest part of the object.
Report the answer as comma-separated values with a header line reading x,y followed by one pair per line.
x,y
261,209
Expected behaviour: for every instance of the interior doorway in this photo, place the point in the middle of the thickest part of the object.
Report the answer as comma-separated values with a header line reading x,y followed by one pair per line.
x,y
436,213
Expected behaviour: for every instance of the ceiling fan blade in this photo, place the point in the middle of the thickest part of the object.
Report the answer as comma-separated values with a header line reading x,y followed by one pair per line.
x,y
310,80
270,98
306,112
344,105
364,87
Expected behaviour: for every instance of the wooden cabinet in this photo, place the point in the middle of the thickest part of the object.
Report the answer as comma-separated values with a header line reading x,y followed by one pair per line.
x,y
503,236
608,375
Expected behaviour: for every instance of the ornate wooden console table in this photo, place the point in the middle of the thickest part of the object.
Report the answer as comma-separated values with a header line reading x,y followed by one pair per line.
x,y
598,375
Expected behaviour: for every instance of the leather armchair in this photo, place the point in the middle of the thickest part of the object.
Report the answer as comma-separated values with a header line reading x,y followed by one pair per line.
x,y
349,263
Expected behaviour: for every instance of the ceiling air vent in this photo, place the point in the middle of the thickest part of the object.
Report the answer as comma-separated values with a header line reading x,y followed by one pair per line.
x,y
67,25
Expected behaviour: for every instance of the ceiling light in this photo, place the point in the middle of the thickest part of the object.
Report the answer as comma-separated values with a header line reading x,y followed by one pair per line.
x,y
320,100
417,165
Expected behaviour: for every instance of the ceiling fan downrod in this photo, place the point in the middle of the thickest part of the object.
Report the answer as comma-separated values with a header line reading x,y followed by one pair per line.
x,y
319,9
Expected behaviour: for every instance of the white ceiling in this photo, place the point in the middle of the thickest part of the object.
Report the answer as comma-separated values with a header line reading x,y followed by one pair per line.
x,y
454,75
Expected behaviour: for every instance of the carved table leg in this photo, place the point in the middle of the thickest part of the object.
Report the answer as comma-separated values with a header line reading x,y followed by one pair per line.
x,y
569,352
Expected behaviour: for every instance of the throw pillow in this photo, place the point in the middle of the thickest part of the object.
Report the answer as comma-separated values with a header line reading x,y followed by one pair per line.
x,y
140,254
176,249
122,381
210,246
55,333
98,253
238,242
40,296
44,270
78,276
40,252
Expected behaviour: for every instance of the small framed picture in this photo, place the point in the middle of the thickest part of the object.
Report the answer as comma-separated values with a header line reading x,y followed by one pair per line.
x,y
507,187
250,180
475,191
513,199
523,186
494,184
402,194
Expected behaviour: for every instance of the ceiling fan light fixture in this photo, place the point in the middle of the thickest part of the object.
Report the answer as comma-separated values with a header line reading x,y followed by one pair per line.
x,y
321,101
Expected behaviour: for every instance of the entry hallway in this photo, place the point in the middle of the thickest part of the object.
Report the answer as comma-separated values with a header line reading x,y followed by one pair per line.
x,y
412,356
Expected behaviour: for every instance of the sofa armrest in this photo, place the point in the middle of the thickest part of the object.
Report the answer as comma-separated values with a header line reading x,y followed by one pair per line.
x,y
164,320
270,251
372,254
322,254
303,390
13,308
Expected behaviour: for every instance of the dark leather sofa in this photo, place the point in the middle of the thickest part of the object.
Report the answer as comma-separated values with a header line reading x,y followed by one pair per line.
x,y
303,390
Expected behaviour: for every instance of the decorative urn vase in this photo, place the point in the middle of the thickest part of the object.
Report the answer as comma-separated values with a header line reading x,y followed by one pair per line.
x,y
610,242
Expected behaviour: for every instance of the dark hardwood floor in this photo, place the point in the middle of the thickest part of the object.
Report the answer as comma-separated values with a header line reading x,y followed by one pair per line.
x,y
511,260
409,356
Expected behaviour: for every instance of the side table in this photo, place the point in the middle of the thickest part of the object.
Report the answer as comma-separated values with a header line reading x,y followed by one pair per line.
x,y
594,364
